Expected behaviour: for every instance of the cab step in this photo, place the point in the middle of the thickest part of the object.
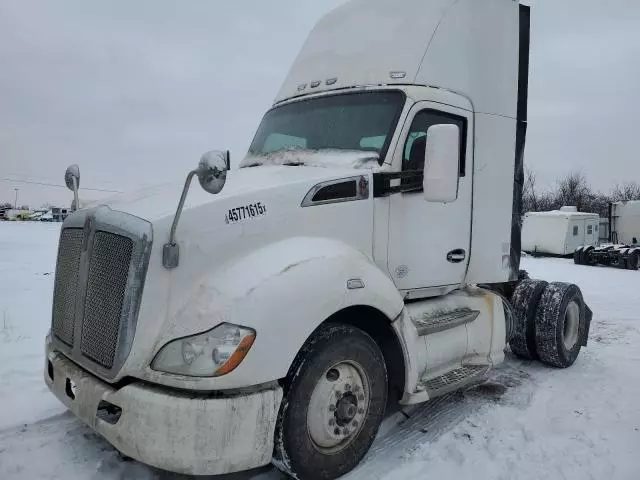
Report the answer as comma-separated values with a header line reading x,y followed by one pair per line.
x,y
455,379
439,321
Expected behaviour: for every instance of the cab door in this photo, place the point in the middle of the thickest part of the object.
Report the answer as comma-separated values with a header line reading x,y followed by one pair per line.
x,y
429,242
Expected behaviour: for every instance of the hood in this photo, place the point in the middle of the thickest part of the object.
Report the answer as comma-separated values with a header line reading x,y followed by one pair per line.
x,y
157,202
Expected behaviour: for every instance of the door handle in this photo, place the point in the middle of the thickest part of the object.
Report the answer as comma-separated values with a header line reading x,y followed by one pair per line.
x,y
456,256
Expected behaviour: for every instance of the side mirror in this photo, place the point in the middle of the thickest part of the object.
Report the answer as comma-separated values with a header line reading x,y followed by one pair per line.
x,y
72,180
72,177
441,164
212,170
212,175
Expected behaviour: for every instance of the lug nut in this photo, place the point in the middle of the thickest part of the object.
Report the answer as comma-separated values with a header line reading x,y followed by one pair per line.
x,y
332,408
361,397
336,431
361,410
354,423
346,431
356,388
347,387
338,394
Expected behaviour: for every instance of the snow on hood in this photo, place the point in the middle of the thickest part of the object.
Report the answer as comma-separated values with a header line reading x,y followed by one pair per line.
x,y
161,201
315,158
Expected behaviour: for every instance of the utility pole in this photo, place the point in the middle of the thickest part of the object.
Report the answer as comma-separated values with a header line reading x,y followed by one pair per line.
x,y
15,205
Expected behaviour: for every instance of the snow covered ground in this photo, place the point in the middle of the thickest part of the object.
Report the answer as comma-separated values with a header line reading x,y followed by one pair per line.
x,y
527,422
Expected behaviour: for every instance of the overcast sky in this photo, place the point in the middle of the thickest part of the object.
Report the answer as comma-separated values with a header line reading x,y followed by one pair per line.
x,y
135,91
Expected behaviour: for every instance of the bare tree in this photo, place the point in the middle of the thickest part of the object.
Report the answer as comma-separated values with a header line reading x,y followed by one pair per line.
x,y
535,200
597,203
574,190
529,192
625,192
547,201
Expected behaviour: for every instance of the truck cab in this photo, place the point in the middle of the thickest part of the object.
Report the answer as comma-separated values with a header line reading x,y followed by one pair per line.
x,y
365,252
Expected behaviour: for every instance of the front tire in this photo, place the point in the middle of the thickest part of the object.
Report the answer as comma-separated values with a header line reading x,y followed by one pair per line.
x,y
560,324
335,399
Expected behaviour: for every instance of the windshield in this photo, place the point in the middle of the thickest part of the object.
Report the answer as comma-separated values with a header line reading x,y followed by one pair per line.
x,y
352,122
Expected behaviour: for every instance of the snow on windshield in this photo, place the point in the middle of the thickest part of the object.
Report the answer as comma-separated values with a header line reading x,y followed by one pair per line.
x,y
344,129
315,158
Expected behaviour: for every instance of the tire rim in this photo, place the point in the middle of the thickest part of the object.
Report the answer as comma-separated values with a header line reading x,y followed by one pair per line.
x,y
338,407
571,324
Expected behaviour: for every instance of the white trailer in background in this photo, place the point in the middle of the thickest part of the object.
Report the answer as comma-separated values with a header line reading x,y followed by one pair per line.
x,y
559,232
625,222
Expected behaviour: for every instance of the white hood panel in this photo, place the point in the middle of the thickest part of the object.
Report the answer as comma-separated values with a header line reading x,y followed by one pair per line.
x,y
157,202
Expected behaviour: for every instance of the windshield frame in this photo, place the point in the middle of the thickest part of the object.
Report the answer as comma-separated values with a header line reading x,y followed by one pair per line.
x,y
382,154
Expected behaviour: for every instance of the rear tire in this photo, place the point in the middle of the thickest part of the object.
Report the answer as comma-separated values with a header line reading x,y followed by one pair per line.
x,y
525,304
619,261
577,256
587,256
560,324
632,261
335,399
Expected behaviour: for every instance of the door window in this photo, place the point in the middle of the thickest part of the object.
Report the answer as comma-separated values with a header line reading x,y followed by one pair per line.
x,y
575,231
414,149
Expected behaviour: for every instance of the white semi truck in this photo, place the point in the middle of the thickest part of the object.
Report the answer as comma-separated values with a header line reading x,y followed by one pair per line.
x,y
366,253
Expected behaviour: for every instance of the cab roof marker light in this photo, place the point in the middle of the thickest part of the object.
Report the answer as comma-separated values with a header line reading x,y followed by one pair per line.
x,y
315,84
331,81
397,75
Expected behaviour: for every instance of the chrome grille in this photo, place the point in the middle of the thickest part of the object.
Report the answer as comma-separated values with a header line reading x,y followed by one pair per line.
x,y
106,289
100,276
66,284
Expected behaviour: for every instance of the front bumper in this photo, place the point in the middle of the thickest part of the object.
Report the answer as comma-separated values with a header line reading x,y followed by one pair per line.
x,y
174,431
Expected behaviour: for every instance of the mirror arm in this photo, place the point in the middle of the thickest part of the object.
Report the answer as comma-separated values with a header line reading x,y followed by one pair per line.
x,y
171,250
75,193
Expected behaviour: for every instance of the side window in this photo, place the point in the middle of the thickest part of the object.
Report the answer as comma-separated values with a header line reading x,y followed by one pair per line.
x,y
414,149
280,141
575,231
589,229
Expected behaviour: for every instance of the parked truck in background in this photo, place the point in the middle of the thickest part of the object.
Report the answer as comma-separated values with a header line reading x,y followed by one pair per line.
x,y
365,253
622,249
624,222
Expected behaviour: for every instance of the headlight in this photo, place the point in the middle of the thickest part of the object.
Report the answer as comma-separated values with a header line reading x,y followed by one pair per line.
x,y
210,354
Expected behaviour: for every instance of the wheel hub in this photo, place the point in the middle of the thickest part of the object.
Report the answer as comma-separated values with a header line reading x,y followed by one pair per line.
x,y
346,408
338,406
571,324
